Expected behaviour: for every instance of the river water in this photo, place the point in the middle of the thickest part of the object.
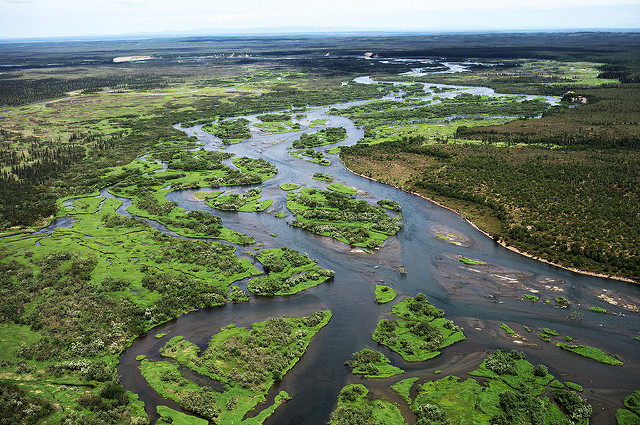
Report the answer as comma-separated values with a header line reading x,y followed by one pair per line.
x,y
477,298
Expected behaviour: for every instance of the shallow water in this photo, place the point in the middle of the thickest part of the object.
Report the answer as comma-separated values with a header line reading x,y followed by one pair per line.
x,y
478,298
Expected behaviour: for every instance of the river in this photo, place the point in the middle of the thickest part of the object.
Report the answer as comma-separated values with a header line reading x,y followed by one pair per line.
x,y
477,298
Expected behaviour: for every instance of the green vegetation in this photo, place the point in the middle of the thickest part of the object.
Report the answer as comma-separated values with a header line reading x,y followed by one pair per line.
x,y
230,131
632,415
550,331
311,156
250,201
471,262
372,364
532,298
323,177
354,408
507,329
598,310
289,186
342,217
419,331
510,393
385,294
573,386
170,416
160,335
403,388
390,205
340,188
591,353
289,272
326,136
248,361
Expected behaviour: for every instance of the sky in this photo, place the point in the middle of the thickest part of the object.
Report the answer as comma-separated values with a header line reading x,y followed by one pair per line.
x,y
77,18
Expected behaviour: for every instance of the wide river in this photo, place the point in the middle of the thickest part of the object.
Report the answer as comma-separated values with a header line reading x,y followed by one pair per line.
x,y
477,298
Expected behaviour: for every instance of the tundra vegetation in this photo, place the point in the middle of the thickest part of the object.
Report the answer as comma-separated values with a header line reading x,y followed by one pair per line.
x,y
372,364
419,330
288,272
248,361
342,217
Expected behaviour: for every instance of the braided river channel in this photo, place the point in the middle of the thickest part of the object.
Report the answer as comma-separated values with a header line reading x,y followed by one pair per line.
x,y
478,298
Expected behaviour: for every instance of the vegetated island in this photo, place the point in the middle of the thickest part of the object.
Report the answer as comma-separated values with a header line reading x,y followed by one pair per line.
x,y
419,330
342,217
289,272
248,361
385,294
372,364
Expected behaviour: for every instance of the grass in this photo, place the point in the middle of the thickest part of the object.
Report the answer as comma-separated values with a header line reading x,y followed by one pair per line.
x,y
353,404
532,298
373,364
550,332
385,294
264,353
403,388
170,416
598,310
471,262
289,272
323,177
340,188
507,329
573,386
591,353
419,331
289,186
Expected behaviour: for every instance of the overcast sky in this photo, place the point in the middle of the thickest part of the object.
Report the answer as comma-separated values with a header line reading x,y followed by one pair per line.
x,y
62,18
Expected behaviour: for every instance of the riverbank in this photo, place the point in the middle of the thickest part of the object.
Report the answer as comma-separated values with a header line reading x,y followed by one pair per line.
x,y
500,242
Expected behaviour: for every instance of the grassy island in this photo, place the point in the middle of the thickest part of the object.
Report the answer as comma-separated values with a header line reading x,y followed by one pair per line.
x,y
289,272
372,364
419,331
385,294
591,353
342,217
247,360
250,201
511,393
354,407
323,177
326,136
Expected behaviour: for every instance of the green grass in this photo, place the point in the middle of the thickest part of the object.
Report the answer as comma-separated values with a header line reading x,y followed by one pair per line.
x,y
372,364
591,353
468,261
385,294
419,331
507,329
532,298
632,402
289,272
598,310
160,335
170,416
574,386
323,177
340,188
626,417
354,405
403,388
550,332
289,186
249,361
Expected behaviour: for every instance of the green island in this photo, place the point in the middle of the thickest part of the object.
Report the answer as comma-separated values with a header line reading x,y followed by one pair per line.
x,y
419,331
230,131
354,407
385,294
323,177
341,217
289,186
471,262
325,136
247,360
591,353
289,272
340,188
311,155
372,364
507,389
250,201
630,415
